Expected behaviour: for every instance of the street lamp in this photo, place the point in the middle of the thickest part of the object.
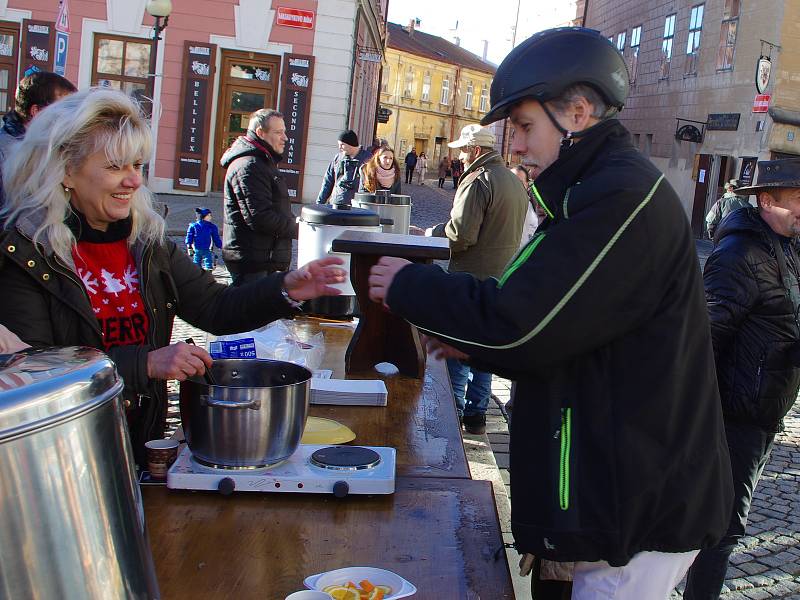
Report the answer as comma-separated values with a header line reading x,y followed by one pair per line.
x,y
159,9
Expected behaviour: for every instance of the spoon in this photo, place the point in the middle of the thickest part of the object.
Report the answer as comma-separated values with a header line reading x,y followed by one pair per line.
x,y
209,378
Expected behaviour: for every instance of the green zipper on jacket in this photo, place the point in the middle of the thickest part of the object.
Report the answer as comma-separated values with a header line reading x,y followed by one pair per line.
x,y
563,468
521,257
538,196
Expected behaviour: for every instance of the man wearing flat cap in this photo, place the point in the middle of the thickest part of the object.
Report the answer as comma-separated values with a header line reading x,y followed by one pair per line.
x,y
725,205
341,180
484,229
751,282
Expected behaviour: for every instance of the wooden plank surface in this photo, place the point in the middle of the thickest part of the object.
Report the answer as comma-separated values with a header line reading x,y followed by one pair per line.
x,y
420,420
392,244
442,535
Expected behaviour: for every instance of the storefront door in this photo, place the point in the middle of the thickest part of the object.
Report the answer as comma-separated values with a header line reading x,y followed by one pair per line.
x,y
9,43
248,82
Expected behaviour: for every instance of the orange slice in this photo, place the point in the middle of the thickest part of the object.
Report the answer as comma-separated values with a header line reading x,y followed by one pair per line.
x,y
340,592
366,585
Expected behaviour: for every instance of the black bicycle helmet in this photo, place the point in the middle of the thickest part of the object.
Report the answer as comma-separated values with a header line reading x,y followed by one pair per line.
x,y
548,62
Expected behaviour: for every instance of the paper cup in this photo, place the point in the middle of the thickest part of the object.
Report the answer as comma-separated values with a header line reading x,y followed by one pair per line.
x,y
309,595
160,456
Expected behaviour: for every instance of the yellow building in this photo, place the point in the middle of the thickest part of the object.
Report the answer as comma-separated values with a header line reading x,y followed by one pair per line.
x,y
432,88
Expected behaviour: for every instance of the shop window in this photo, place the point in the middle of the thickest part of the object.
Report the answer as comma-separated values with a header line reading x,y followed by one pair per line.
x,y
387,75
122,63
727,35
468,97
693,43
426,87
9,43
445,91
484,106
666,45
636,39
252,72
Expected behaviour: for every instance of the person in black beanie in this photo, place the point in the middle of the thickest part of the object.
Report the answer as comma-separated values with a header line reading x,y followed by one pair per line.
x,y
342,178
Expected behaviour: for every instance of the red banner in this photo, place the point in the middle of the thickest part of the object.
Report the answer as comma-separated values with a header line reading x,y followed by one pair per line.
x,y
294,17
761,103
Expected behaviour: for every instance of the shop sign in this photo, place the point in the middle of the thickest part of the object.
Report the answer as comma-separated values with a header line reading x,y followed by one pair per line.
x,y
370,56
761,103
298,76
763,71
294,17
193,134
747,171
38,44
384,114
723,121
689,133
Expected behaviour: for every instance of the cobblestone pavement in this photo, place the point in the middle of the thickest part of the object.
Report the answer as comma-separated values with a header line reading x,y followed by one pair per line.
x,y
766,565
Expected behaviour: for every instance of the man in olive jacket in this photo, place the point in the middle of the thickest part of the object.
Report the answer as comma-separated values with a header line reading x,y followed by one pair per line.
x,y
259,224
484,229
751,282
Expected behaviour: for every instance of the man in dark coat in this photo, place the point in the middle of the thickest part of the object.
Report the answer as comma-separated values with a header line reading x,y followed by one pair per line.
x,y
343,177
618,455
259,224
411,164
751,282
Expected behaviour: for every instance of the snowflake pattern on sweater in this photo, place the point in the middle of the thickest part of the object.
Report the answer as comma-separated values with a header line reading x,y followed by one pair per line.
x,y
109,275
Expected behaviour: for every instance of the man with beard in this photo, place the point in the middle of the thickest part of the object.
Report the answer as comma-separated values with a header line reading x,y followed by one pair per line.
x,y
259,224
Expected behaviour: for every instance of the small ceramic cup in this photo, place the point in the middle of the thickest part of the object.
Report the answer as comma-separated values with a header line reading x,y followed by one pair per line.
x,y
160,456
309,595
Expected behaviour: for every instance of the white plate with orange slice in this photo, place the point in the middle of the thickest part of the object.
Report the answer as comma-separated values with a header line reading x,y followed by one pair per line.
x,y
361,583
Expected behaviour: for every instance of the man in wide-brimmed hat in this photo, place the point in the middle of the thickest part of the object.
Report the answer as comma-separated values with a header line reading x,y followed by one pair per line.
x,y
751,282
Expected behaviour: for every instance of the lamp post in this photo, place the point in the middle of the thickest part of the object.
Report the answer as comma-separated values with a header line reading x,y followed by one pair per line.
x,y
160,9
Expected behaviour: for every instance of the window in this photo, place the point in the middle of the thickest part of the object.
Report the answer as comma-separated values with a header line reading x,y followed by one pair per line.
x,y
122,63
484,98
409,87
727,35
693,43
426,87
468,98
636,39
446,91
666,45
9,48
621,40
387,75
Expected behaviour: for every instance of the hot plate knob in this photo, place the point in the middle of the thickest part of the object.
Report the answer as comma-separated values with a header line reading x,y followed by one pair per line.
x,y
226,486
341,489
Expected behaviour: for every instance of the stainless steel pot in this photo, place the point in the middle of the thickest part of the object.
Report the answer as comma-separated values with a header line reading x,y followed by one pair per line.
x,y
72,519
254,416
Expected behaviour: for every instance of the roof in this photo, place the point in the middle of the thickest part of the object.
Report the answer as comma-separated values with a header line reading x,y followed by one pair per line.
x,y
435,48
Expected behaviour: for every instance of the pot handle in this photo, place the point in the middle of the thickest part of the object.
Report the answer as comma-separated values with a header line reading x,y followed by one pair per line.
x,y
209,401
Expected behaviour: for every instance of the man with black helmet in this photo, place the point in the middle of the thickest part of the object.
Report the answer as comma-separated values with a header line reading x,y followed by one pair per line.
x,y
618,456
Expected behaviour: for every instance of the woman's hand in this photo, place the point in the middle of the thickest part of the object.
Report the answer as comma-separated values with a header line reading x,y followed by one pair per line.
x,y
177,361
381,276
9,342
314,279
414,230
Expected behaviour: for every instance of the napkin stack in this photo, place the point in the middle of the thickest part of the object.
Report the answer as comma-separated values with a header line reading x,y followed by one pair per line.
x,y
348,392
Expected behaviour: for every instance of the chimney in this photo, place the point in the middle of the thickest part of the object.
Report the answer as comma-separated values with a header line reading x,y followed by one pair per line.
x,y
485,48
457,40
412,23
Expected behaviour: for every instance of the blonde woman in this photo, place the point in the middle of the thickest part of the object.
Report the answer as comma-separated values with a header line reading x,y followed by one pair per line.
x,y
422,169
381,172
85,260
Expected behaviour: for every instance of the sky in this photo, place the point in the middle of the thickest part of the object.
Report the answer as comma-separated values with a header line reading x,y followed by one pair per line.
x,y
476,22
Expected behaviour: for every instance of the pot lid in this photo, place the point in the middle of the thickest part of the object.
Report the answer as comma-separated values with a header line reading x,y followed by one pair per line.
x,y
40,387
401,199
325,214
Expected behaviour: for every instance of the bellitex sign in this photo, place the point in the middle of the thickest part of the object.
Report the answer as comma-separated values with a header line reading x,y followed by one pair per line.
x,y
192,149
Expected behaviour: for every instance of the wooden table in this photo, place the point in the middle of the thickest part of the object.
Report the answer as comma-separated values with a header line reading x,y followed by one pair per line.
x,y
440,534
420,419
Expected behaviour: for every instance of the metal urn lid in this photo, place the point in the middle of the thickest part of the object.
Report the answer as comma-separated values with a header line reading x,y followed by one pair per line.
x,y
344,214
400,199
41,387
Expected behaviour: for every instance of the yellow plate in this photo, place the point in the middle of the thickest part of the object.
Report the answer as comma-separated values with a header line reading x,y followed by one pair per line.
x,y
326,431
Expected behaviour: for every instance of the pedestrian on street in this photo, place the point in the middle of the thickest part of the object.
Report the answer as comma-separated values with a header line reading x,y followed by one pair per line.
x,y
751,281
411,164
85,261
484,231
531,218
201,237
456,169
422,169
725,205
443,171
259,224
618,455
381,172
341,181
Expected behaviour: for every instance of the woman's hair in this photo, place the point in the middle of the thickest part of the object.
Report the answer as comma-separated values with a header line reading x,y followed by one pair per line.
x,y
63,136
371,167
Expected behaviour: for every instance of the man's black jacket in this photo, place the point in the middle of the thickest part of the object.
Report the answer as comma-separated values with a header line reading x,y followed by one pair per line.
x,y
753,322
617,442
259,225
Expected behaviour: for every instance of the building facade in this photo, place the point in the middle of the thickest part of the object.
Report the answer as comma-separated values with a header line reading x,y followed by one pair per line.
x,y
431,88
318,61
694,106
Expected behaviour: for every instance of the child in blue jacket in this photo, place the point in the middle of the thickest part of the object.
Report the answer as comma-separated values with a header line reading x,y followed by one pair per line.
x,y
199,239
